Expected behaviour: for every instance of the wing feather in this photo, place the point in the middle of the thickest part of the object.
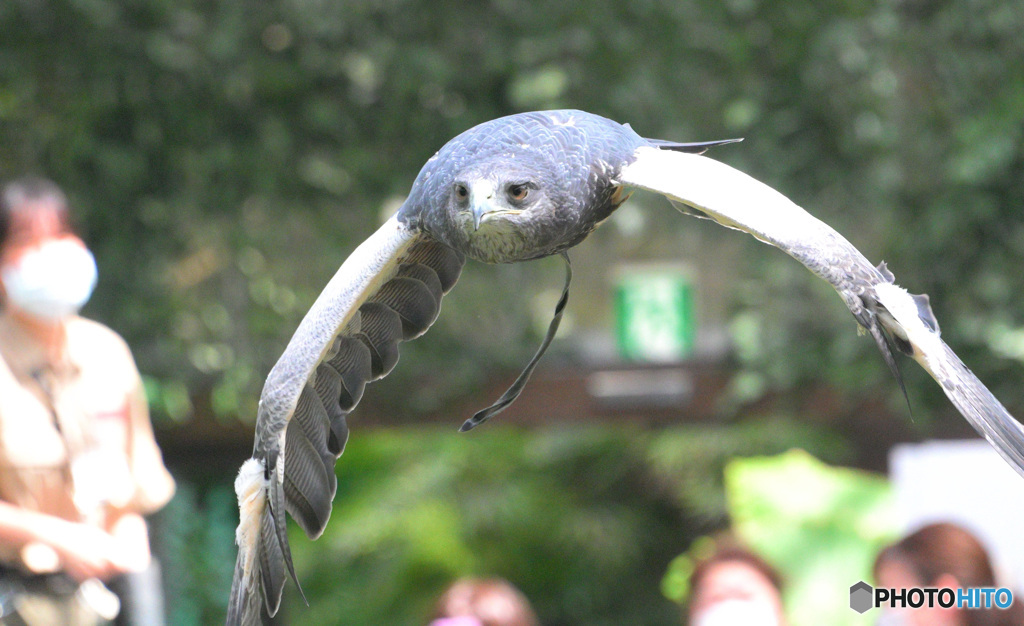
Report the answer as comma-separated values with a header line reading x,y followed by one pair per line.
x,y
271,559
307,480
381,330
425,275
892,316
387,291
413,301
967,393
354,365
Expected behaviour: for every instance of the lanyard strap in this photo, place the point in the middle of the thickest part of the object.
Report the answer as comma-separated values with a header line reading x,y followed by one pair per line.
x,y
513,392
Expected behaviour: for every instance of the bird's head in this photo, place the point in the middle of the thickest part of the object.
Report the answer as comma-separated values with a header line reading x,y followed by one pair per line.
x,y
523,186
502,209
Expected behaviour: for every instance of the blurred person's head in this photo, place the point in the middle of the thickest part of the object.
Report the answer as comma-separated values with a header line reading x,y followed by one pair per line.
x,y
476,602
46,272
940,555
735,586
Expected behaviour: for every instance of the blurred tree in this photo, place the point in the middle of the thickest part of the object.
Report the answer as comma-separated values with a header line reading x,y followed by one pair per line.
x,y
226,156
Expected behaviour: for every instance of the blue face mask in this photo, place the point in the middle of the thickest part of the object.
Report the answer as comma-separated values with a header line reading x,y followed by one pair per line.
x,y
51,282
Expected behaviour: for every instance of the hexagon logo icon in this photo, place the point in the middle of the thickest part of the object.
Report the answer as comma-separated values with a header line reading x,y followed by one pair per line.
x,y
861,597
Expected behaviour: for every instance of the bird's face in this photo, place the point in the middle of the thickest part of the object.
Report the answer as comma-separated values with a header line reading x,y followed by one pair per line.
x,y
497,212
495,199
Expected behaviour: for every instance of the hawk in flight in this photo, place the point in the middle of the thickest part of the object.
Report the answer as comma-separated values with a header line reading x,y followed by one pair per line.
x,y
508,190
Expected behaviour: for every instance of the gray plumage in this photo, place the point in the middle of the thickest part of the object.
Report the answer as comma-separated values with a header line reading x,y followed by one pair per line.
x,y
513,189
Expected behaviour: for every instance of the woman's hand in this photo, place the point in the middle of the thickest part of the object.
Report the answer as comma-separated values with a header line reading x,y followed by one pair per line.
x,y
131,538
83,551
90,552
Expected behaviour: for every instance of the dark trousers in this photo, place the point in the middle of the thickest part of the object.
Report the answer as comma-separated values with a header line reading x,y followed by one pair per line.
x,y
52,599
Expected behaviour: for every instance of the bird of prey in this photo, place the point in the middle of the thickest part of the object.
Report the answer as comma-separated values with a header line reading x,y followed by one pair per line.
x,y
512,189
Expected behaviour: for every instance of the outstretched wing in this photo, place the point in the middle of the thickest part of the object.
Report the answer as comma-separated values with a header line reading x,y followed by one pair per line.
x,y
388,290
892,316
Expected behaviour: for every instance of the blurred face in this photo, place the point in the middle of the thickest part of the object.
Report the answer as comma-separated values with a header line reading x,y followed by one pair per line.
x,y
46,272
33,223
30,228
894,574
734,592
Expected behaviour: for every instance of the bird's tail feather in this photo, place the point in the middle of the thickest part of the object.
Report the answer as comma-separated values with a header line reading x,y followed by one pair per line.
x,y
260,562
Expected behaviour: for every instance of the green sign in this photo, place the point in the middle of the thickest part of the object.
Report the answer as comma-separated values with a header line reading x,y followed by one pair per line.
x,y
654,314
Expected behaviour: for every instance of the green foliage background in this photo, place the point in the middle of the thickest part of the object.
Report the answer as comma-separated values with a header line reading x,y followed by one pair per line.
x,y
225,156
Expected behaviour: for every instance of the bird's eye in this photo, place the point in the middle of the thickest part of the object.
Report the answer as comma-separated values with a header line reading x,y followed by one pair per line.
x,y
461,192
518,192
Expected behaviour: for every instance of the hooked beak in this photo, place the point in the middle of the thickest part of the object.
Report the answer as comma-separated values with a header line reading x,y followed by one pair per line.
x,y
483,202
479,210
481,197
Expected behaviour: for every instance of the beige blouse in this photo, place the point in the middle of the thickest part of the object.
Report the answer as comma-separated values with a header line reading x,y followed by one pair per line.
x,y
75,437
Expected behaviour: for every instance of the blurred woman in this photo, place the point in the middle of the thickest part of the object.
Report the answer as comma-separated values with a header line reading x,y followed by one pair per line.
x,y
78,462
735,586
475,602
941,555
